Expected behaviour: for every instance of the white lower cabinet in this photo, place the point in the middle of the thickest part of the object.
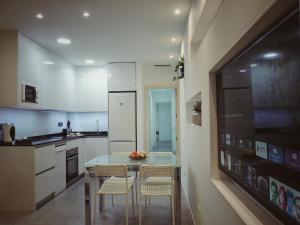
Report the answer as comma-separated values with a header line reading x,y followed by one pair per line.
x,y
44,158
50,163
95,146
60,168
45,184
45,172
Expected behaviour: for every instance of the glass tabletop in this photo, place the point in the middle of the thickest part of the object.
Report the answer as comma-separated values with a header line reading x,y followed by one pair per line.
x,y
150,160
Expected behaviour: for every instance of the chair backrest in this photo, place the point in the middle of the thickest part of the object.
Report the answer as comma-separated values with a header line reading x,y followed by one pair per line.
x,y
161,154
120,153
156,171
111,170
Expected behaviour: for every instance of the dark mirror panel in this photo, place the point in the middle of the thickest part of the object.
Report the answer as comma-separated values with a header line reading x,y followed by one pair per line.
x,y
259,120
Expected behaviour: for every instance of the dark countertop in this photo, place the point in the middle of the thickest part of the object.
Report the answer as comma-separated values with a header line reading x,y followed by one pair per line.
x,y
48,139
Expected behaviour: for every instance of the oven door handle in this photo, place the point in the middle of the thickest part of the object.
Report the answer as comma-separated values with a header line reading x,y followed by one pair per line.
x,y
73,157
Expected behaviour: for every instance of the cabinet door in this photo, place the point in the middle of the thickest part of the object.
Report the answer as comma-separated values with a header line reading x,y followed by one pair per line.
x,y
121,76
94,147
45,184
48,82
30,60
44,158
58,83
91,89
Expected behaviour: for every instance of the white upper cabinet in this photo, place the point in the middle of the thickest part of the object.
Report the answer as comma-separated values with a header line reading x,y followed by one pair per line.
x,y
58,82
24,62
121,76
30,61
91,89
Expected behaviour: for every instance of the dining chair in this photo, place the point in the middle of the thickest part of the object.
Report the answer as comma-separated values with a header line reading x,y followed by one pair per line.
x,y
118,184
152,189
159,180
126,154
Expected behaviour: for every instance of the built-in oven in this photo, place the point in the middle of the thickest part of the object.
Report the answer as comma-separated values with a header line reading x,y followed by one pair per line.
x,y
29,94
71,166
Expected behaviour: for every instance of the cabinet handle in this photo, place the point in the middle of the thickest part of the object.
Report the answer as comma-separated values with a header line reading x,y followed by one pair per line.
x,y
57,151
44,171
58,145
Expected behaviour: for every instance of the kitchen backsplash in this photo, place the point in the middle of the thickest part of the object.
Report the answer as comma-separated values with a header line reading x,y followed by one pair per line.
x,y
33,122
87,121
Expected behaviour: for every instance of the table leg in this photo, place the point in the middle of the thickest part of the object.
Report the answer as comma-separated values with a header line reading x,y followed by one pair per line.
x,y
178,196
101,199
88,215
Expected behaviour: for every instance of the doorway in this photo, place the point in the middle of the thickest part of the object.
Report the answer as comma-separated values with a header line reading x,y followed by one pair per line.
x,y
162,129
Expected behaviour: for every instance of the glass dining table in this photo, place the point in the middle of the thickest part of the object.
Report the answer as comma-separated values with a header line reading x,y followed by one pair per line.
x,y
133,165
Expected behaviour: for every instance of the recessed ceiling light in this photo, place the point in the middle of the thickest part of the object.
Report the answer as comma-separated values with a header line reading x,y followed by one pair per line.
x,y
39,16
48,62
89,61
253,65
171,56
243,71
173,39
270,55
86,14
64,41
177,11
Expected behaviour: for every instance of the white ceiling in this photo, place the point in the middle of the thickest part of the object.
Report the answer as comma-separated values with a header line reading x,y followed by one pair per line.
x,y
118,30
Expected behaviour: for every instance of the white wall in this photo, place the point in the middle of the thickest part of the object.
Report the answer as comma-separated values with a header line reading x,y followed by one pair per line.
x,y
232,20
33,122
164,121
157,75
87,121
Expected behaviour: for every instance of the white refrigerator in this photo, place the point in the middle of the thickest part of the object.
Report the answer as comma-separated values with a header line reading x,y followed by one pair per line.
x,y
122,121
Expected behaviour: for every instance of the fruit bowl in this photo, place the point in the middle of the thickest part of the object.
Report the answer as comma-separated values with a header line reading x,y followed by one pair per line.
x,y
137,158
138,155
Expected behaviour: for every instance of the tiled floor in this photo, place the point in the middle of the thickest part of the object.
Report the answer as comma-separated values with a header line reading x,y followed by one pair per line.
x,y
68,209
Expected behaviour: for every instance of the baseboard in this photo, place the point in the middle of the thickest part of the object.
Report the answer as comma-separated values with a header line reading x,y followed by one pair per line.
x,y
188,202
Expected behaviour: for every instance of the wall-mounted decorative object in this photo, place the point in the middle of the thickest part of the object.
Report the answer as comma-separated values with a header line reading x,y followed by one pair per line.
x,y
179,69
194,110
196,118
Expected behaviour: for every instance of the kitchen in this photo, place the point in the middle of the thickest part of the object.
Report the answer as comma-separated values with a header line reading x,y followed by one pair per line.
x,y
59,110
149,112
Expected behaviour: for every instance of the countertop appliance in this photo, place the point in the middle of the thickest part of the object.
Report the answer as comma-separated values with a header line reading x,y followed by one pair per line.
x,y
9,132
29,94
60,169
71,166
122,121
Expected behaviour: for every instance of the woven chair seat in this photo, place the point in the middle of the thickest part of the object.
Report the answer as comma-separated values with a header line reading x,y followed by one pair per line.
x,y
156,190
116,185
158,180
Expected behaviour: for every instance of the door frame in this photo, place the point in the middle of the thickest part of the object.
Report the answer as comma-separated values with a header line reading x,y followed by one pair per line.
x,y
147,118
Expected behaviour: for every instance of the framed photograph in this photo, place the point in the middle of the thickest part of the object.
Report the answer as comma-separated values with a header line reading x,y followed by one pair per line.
x,y
261,149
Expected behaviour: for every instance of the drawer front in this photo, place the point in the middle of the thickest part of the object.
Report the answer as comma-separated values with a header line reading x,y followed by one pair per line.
x,y
44,185
74,144
44,158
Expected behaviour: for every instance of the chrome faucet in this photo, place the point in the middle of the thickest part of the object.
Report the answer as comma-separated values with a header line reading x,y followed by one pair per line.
x,y
97,124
